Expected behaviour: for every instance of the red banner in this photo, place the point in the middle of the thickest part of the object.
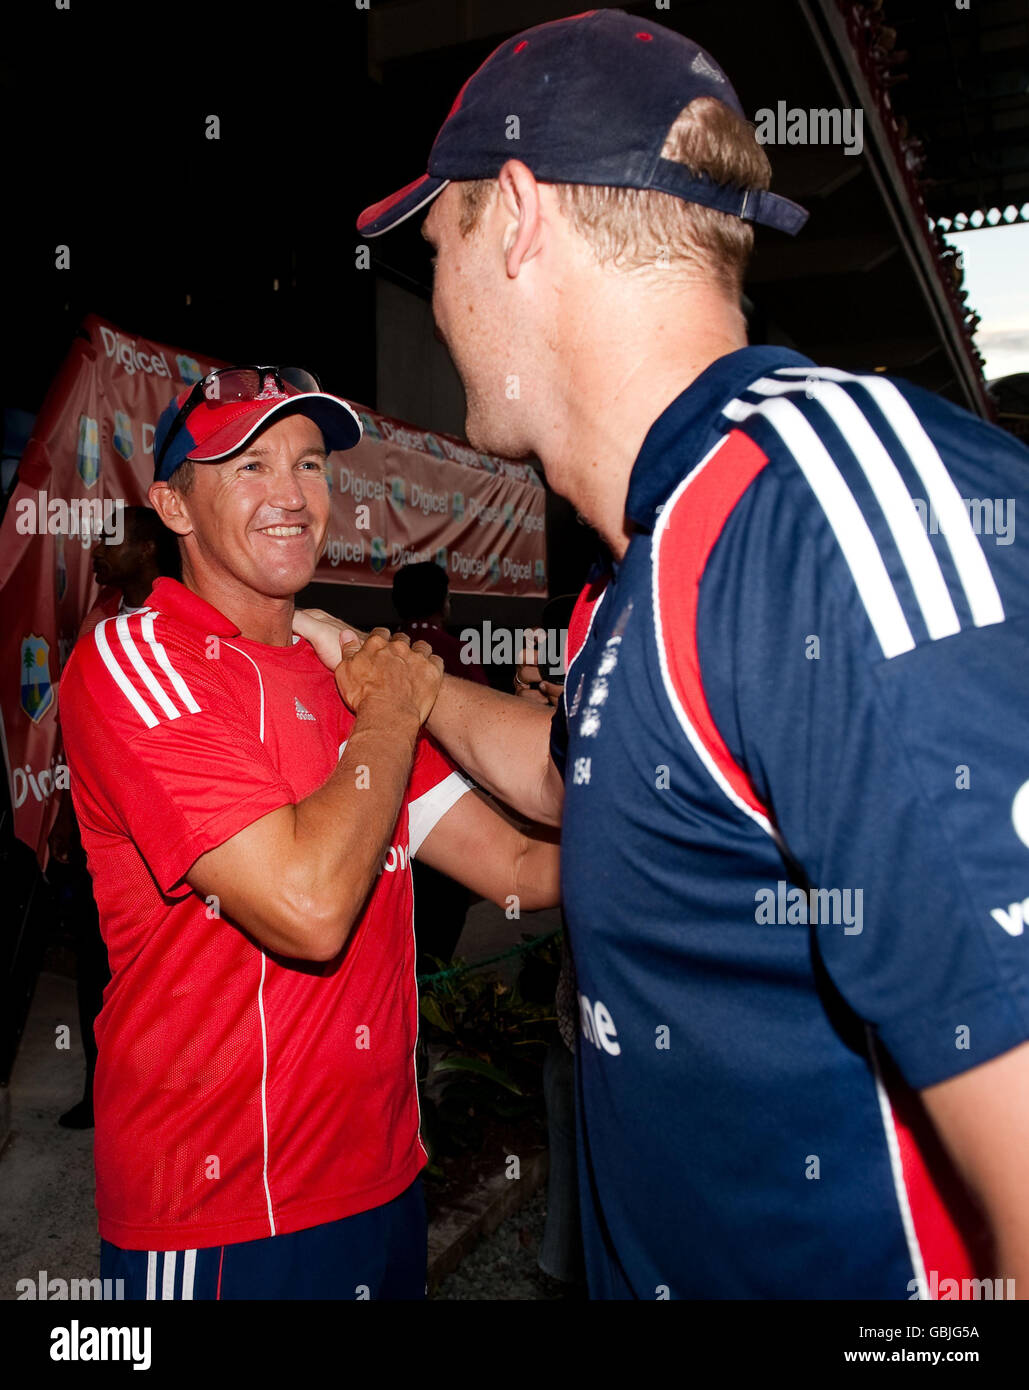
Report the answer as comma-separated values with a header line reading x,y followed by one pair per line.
x,y
92,443
402,494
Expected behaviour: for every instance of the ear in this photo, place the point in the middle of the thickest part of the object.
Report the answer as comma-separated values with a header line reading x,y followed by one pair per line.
x,y
171,508
520,202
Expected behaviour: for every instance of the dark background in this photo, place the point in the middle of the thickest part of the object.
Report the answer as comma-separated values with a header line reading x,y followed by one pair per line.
x,y
105,109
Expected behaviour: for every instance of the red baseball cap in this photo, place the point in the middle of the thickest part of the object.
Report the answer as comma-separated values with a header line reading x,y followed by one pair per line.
x,y
216,429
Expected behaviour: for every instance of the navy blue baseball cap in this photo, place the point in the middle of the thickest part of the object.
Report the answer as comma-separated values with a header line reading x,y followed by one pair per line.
x,y
595,96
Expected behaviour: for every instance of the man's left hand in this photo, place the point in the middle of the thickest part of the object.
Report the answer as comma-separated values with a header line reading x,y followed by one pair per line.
x,y
326,634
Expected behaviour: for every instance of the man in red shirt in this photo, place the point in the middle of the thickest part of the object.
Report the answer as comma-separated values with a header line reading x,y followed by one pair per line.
x,y
249,834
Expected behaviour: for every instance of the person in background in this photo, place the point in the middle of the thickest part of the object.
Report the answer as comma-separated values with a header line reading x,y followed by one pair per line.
x,y
421,596
422,600
126,571
534,679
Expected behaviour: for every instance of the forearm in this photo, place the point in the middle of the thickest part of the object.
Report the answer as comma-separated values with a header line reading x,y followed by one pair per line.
x,y
501,741
342,831
484,847
538,872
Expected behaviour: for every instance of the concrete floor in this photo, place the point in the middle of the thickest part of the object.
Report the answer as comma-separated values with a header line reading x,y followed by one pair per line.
x,y
47,1213
47,1216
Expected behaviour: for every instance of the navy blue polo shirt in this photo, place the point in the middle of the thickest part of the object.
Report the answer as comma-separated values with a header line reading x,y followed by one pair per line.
x,y
795,743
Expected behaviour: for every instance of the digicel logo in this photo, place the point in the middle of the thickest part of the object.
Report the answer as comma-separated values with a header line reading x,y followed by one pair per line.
x,y
131,358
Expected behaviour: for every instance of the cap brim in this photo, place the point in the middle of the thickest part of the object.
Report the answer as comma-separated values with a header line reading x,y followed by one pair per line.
x,y
340,427
399,206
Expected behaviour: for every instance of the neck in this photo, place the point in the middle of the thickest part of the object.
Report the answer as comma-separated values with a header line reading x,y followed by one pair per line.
x,y
615,372
136,590
259,617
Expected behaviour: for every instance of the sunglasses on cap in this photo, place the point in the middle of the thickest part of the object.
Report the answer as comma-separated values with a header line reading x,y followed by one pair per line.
x,y
228,385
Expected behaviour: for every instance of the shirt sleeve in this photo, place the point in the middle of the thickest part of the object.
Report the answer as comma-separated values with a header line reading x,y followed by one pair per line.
x,y
436,784
178,772
897,783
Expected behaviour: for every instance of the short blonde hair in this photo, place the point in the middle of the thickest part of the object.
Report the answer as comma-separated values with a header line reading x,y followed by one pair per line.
x,y
184,477
634,228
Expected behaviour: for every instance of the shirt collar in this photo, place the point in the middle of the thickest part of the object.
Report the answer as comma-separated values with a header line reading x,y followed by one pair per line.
x,y
688,428
174,600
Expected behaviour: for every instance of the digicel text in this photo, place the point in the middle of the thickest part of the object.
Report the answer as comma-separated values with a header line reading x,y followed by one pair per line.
x,y
130,357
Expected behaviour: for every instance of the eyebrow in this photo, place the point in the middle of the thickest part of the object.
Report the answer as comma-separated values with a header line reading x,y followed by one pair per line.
x,y
262,449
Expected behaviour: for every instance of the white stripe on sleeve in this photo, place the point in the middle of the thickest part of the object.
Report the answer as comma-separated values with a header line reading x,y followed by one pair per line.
x,y
142,669
856,541
941,491
426,810
182,689
124,684
910,536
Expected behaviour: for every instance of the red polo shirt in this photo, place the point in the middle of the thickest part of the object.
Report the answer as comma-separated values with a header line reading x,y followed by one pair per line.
x,y
239,1094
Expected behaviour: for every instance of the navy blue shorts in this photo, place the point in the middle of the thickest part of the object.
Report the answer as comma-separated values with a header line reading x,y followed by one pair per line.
x,y
380,1253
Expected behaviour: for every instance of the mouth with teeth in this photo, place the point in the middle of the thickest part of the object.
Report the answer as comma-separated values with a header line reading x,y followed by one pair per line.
x,y
284,533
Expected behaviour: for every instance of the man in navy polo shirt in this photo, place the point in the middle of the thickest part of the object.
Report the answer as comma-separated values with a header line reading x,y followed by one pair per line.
x,y
791,761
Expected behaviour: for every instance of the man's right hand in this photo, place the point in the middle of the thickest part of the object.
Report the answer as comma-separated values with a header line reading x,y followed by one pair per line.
x,y
388,668
298,878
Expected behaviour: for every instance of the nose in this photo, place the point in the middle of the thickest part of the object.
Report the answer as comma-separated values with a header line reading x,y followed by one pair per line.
x,y
285,489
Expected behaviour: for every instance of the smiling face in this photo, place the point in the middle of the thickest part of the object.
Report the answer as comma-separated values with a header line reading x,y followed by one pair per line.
x,y
257,521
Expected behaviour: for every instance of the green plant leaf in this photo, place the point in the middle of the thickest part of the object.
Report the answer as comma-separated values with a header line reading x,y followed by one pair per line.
x,y
479,1068
432,1011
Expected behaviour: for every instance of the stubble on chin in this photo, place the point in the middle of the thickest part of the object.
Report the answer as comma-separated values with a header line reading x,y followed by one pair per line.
x,y
496,435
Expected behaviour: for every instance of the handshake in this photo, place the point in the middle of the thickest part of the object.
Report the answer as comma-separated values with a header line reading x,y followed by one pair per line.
x,y
371,663
374,665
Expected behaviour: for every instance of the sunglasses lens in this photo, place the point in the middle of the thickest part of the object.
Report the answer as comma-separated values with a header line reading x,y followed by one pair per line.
x,y
238,384
249,383
303,381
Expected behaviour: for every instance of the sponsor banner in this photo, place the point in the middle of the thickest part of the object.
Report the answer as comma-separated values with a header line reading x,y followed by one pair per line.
x,y
401,494
91,451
